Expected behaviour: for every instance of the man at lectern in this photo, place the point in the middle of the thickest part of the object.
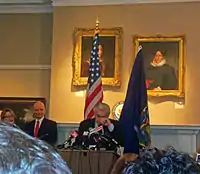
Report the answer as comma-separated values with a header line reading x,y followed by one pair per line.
x,y
110,126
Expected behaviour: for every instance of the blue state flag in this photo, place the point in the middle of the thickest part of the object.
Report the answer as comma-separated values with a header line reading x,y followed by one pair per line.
x,y
134,117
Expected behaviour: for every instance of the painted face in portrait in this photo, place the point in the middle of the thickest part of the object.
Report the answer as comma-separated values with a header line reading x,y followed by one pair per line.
x,y
100,51
158,57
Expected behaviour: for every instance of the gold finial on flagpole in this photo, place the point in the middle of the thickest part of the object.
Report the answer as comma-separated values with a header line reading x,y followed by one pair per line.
x,y
97,23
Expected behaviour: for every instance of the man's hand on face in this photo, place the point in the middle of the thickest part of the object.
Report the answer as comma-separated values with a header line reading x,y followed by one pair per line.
x,y
106,122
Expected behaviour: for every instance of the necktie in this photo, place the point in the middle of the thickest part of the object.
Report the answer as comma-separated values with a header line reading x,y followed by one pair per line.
x,y
36,129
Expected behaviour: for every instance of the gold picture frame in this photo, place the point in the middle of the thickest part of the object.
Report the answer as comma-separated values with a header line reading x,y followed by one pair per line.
x,y
111,39
164,64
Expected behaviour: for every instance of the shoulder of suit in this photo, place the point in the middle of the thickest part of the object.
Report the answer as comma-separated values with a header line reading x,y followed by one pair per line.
x,y
30,122
113,121
87,121
50,121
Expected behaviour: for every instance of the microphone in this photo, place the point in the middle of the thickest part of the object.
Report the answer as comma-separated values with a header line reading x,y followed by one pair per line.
x,y
74,135
95,130
69,141
88,138
94,137
198,158
81,142
109,143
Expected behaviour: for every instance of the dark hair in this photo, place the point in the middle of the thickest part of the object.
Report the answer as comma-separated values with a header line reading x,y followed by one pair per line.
x,y
167,161
23,154
163,52
3,113
100,43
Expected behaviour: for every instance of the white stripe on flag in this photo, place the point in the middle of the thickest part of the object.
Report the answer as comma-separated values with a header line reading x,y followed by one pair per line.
x,y
93,102
94,86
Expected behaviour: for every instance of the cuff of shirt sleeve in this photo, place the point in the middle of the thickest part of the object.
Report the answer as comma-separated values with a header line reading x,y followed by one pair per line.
x,y
111,127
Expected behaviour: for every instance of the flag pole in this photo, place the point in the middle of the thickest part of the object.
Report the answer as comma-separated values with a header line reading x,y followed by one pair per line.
x,y
94,91
97,25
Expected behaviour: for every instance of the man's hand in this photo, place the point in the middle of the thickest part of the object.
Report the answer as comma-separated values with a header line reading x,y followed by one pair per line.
x,y
106,122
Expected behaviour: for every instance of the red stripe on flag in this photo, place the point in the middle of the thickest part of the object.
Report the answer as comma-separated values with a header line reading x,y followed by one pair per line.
x,y
92,95
90,114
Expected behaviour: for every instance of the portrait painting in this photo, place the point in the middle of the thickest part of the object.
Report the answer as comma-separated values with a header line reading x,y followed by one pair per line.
x,y
22,107
109,53
163,63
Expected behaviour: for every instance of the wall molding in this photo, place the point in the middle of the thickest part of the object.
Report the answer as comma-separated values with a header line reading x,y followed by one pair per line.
x,y
8,9
25,6
25,1
111,2
46,6
25,67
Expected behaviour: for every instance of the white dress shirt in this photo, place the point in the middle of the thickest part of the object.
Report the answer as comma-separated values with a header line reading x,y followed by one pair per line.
x,y
40,122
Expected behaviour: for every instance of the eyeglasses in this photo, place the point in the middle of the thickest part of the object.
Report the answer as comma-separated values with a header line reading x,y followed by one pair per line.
x,y
8,117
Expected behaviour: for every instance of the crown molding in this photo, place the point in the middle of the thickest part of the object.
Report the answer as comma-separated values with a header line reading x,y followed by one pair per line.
x,y
111,2
25,1
46,6
9,9
25,6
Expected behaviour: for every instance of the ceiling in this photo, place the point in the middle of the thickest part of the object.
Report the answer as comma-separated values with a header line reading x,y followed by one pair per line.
x,y
86,2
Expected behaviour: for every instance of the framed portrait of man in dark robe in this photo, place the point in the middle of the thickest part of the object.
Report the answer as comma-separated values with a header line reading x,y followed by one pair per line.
x,y
163,63
109,54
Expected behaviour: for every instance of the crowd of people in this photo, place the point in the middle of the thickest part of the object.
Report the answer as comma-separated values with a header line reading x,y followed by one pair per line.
x,y
156,161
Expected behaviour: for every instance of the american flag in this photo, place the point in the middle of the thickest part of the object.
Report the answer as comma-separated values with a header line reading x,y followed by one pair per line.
x,y
94,93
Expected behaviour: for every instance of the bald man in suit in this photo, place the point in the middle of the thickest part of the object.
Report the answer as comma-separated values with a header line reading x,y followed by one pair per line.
x,y
42,128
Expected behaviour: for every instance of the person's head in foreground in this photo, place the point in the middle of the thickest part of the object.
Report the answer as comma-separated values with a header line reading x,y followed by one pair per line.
x,y
22,154
169,161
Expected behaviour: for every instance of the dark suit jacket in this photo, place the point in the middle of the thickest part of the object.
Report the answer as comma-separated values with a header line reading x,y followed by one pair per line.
x,y
47,131
90,123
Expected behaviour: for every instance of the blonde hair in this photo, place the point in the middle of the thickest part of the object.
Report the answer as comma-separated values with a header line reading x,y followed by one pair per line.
x,y
3,113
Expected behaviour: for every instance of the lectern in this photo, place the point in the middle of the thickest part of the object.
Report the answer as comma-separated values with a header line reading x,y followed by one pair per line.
x,y
89,162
